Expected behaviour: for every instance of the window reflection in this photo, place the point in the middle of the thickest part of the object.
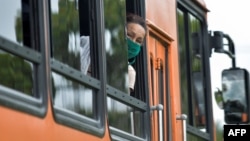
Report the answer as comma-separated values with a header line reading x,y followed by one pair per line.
x,y
234,95
116,49
183,63
17,73
125,118
65,33
72,96
11,23
199,99
197,75
191,74
71,46
233,87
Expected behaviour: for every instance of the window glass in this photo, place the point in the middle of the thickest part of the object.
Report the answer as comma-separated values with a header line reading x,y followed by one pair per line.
x,y
17,73
120,116
197,75
125,118
12,23
191,73
71,46
116,49
72,96
19,23
183,62
65,32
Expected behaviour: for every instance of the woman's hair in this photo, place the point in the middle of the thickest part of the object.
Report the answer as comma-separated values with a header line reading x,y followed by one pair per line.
x,y
133,18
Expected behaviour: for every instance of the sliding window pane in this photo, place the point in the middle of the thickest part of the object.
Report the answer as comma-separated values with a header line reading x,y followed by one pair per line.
x,y
18,73
116,48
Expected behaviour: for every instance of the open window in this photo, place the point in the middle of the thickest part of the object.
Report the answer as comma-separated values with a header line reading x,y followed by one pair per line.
x,y
137,7
126,116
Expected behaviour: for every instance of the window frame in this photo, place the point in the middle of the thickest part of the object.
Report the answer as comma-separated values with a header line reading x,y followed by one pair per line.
x,y
200,14
140,65
96,125
36,105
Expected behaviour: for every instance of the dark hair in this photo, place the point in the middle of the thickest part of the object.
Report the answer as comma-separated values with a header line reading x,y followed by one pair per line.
x,y
133,18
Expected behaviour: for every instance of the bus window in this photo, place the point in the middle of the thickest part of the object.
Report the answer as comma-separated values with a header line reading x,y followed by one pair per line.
x,y
18,30
191,69
197,75
124,118
70,95
116,61
65,33
137,7
10,23
18,71
132,119
18,25
22,74
17,74
73,71
116,47
182,57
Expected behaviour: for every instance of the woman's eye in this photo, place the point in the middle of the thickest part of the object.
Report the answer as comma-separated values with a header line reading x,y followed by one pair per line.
x,y
139,42
129,36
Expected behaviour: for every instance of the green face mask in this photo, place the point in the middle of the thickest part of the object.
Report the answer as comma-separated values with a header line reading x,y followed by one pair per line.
x,y
133,50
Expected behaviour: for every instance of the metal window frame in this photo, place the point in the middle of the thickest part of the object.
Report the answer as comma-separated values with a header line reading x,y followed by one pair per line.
x,y
199,12
138,7
37,105
96,125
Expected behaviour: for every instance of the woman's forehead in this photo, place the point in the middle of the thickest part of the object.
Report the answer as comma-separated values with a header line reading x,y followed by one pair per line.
x,y
136,28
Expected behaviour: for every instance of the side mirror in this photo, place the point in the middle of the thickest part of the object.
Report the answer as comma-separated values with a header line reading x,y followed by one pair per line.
x,y
235,93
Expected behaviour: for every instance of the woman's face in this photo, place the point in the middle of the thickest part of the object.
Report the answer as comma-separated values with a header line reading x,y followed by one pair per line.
x,y
136,32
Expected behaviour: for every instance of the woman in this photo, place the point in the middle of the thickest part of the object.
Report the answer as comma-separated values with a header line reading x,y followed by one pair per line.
x,y
136,31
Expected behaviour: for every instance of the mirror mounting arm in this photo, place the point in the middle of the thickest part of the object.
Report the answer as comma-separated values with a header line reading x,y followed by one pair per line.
x,y
231,49
216,42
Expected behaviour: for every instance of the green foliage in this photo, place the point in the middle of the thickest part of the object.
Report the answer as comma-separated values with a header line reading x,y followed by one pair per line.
x,y
18,27
64,23
119,120
16,73
219,98
117,65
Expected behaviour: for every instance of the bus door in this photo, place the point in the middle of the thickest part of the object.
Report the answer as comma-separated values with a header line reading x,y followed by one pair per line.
x,y
158,88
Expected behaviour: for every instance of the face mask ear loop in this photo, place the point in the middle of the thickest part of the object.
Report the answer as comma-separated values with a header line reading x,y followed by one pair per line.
x,y
132,62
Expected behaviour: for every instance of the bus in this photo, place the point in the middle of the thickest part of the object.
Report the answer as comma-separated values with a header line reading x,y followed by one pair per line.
x,y
48,94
